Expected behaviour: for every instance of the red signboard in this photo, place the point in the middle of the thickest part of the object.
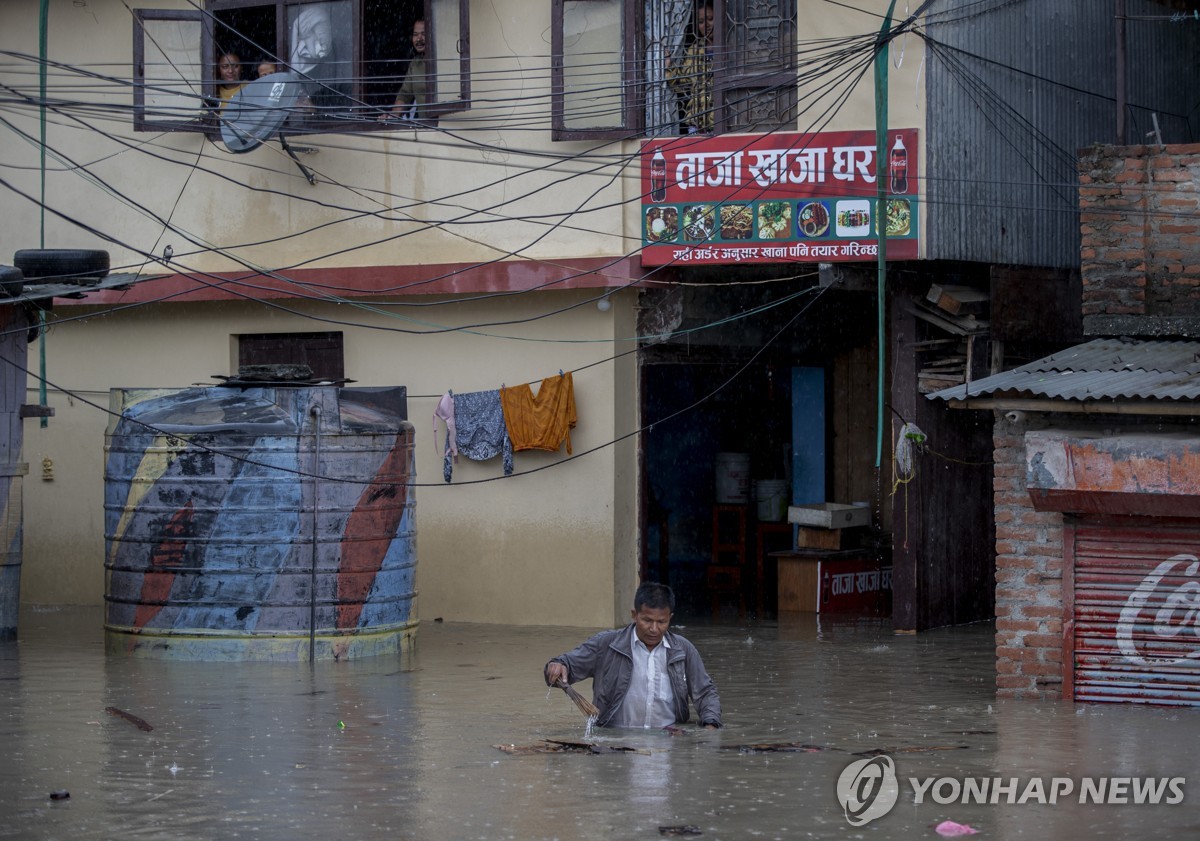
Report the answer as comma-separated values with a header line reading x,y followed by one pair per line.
x,y
776,198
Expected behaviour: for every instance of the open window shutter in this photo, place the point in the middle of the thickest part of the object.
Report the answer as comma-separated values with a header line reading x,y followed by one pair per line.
x,y
169,79
450,23
754,87
594,74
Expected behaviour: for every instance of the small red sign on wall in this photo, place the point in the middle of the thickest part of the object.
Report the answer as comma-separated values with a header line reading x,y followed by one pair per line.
x,y
776,198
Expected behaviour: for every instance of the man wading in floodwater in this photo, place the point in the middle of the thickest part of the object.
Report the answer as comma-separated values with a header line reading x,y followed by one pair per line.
x,y
642,675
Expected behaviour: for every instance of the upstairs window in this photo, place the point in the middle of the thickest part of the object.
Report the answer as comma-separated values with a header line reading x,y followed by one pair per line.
x,y
623,67
354,56
321,352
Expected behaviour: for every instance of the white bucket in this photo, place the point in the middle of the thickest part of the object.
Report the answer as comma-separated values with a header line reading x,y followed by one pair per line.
x,y
733,478
771,496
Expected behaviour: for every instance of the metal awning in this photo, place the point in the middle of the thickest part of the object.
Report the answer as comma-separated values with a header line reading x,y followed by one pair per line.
x,y
1099,370
34,291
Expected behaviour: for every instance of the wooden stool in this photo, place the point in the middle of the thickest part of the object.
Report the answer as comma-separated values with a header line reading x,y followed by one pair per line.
x,y
729,535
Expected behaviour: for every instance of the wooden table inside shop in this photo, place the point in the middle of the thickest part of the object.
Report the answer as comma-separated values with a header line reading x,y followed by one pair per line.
x,y
831,581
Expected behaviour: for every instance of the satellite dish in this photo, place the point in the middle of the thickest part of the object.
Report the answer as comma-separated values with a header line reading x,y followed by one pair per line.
x,y
258,111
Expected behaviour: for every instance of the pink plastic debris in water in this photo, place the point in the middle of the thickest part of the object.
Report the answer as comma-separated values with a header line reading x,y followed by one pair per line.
x,y
950,829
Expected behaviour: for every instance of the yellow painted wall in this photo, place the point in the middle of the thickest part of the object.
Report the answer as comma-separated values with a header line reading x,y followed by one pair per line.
x,y
546,548
491,187
381,186
558,547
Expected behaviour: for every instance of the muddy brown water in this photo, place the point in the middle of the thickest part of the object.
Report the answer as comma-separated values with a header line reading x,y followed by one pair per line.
x,y
405,748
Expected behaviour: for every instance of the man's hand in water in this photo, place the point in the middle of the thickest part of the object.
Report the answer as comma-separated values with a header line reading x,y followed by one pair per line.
x,y
555,672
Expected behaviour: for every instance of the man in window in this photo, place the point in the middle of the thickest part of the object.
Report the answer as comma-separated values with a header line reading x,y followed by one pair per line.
x,y
414,92
692,78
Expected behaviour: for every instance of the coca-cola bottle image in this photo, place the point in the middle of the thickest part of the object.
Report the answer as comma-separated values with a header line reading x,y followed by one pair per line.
x,y
898,168
658,176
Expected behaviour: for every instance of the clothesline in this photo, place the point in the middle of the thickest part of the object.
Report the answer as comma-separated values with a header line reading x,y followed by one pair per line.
x,y
448,391
484,424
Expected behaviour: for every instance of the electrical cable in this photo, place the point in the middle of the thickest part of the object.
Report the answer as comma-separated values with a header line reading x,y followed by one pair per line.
x,y
192,442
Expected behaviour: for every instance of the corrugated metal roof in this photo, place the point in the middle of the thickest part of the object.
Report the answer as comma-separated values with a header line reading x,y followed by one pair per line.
x,y
1013,90
1102,369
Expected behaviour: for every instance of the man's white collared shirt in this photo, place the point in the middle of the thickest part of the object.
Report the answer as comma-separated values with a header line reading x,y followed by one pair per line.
x,y
650,701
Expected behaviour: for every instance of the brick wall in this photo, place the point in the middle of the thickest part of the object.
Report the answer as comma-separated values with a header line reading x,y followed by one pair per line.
x,y
1029,574
1140,230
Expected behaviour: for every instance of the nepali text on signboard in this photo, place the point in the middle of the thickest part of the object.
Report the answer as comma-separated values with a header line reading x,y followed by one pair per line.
x,y
776,198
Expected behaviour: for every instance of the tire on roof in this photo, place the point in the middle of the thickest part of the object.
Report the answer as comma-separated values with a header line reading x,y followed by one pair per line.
x,y
63,265
12,281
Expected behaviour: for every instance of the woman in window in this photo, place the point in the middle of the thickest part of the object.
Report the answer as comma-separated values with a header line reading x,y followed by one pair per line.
x,y
692,78
229,77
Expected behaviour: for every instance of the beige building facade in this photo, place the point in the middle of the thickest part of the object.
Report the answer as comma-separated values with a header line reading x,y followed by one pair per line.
x,y
462,255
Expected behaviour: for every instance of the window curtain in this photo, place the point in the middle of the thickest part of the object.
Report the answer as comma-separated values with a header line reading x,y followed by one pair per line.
x,y
666,24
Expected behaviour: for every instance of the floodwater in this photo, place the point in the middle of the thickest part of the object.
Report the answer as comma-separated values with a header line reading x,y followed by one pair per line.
x,y
396,748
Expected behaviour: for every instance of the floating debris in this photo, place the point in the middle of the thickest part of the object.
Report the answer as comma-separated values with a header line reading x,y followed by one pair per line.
x,y
950,829
686,829
130,717
61,794
914,749
779,747
556,746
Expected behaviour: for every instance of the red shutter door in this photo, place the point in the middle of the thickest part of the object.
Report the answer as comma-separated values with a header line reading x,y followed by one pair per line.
x,y
1136,610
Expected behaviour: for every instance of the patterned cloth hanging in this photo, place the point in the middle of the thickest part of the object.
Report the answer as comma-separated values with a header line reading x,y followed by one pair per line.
x,y
480,429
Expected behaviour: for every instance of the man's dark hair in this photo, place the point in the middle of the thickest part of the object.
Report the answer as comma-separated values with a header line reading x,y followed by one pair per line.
x,y
653,595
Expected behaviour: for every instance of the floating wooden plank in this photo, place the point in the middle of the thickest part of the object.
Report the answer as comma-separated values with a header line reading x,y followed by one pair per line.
x,y
130,717
913,749
778,747
556,746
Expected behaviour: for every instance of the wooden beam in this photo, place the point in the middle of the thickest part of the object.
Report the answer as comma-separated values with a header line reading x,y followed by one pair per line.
x,y
1002,404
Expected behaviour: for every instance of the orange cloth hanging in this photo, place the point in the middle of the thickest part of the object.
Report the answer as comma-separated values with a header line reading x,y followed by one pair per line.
x,y
542,422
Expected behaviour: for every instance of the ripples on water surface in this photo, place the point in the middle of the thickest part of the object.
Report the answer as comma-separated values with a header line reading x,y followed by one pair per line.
x,y
384,748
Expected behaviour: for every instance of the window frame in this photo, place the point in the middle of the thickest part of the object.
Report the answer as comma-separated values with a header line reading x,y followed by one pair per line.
x,y
632,94
724,80
438,109
207,86
202,123
301,348
634,77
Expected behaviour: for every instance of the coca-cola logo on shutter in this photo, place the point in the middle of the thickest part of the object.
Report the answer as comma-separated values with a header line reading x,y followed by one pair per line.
x,y
1176,615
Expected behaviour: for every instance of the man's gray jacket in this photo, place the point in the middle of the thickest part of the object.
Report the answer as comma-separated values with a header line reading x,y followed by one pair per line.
x,y
608,660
